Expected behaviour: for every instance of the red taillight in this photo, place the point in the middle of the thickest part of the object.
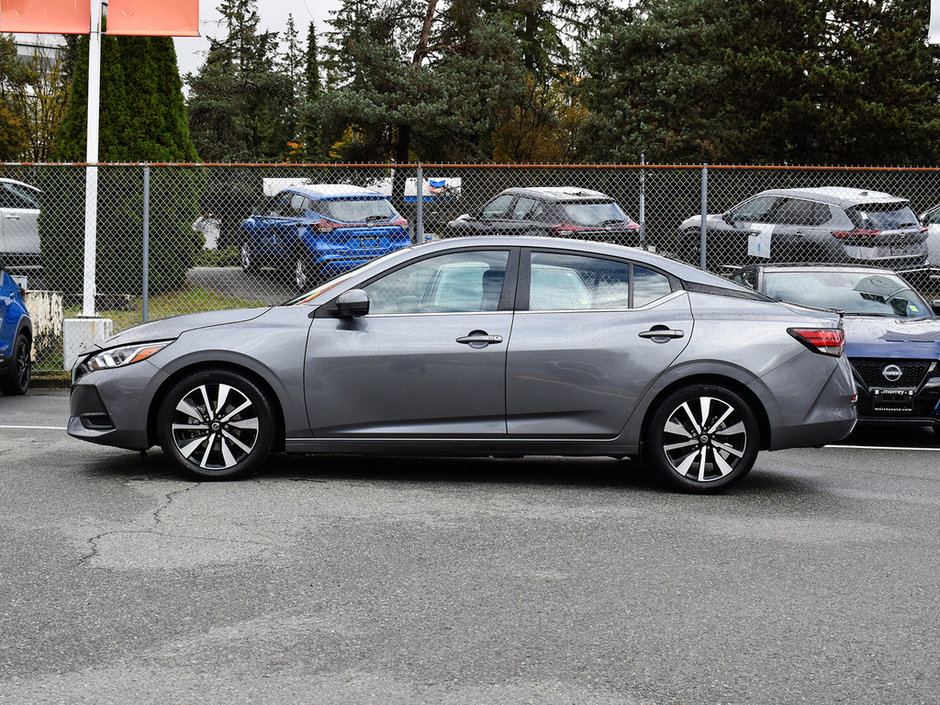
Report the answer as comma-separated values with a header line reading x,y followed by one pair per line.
x,y
566,228
325,226
858,232
827,341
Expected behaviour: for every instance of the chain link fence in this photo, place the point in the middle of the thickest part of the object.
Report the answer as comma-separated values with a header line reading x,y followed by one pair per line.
x,y
227,236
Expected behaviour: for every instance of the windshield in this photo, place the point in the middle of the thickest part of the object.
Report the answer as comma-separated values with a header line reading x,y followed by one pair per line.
x,y
883,216
356,211
858,293
608,213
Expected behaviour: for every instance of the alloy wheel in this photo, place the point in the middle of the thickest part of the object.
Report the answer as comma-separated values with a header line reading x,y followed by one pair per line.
x,y
215,426
705,439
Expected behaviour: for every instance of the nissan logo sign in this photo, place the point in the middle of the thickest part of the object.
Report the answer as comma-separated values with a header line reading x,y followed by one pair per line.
x,y
892,373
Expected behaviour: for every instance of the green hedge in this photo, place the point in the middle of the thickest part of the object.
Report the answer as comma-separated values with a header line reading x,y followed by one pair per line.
x,y
174,194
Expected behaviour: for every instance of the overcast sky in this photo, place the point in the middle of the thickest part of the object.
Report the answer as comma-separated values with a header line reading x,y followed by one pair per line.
x,y
191,51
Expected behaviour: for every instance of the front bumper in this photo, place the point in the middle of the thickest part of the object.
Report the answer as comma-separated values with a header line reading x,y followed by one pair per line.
x,y
112,407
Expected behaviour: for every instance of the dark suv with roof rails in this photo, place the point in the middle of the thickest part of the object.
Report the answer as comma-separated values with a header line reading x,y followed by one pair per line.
x,y
551,210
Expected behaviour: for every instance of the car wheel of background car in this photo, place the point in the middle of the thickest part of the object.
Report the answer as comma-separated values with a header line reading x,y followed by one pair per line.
x,y
216,424
306,273
702,438
16,381
249,266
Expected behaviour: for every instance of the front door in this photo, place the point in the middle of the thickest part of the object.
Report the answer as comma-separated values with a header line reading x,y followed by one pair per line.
x,y
429,360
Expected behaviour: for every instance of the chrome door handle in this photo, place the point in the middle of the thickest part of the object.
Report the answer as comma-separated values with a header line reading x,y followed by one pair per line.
x,y
11,217
661,332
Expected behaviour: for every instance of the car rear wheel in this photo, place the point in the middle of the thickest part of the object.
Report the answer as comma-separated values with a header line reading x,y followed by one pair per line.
x,y
216,424
306,274
16,381
702,438
247,257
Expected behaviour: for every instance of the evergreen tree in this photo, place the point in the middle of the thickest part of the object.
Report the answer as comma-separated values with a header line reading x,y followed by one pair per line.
x,y
238,99
313,90
428,84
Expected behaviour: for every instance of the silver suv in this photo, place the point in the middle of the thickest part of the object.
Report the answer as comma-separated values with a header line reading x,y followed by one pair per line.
x,y
829,224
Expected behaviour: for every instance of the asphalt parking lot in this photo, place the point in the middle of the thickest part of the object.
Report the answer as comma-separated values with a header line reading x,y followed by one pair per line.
x,y
544,580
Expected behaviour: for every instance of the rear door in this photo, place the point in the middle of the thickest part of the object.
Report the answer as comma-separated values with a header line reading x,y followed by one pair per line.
x,y
591,335
800,235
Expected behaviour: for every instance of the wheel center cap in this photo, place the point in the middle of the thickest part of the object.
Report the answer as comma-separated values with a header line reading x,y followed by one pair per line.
x,y
703,439
216,426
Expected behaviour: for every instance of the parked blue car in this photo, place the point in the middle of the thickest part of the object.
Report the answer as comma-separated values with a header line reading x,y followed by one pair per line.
x,y
16,337
892,336
317,231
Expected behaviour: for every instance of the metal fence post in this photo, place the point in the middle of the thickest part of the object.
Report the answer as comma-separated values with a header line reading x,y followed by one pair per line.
x,y
145,284
702,238
419,200
642,214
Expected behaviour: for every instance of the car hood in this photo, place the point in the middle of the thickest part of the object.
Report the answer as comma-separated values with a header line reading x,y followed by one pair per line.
x,y
892,337
169,328
711,220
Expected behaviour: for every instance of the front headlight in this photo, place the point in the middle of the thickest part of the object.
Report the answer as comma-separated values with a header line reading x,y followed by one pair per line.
x,y
123,356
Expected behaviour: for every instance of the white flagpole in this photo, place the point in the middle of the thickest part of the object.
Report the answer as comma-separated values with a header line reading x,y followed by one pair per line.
x,y
91,157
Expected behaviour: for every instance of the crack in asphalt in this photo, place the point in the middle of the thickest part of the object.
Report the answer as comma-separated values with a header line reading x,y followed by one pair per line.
x,y
157,521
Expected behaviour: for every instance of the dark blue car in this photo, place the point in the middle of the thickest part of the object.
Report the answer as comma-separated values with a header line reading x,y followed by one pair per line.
x,y
317,231
892,336
16,337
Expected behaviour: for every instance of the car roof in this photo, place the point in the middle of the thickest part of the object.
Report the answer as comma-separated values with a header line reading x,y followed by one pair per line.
x,y
835,195
21,183
683,271
338,191
557,193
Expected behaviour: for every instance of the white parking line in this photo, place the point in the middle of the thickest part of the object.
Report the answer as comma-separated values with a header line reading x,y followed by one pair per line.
x,y
38,428
836,445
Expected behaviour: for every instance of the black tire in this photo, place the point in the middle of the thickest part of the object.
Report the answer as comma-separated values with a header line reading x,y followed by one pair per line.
x,y
702,438
16,381
247,257
306,274
216,424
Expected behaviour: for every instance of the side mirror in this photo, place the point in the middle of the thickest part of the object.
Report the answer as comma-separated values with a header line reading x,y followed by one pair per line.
x,y
935,304
2,266
352,304
726,216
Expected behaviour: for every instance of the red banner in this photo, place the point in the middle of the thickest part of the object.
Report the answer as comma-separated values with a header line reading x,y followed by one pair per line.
x,y
154,18
46,16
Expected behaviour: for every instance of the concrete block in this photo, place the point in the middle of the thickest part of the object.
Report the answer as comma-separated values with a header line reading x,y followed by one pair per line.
x,y
80,334
47,312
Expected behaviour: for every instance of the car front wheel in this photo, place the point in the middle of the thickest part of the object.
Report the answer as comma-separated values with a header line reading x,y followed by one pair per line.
x,y
702,438
17,379
216,424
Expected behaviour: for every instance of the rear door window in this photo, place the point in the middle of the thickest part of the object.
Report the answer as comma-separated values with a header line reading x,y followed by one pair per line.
x,y
799,211
560,282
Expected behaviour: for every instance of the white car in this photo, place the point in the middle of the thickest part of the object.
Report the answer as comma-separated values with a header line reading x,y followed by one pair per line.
x,y
931,218
19,224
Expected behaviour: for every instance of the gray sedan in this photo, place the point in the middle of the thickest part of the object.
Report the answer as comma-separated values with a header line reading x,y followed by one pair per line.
x,y
482,346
